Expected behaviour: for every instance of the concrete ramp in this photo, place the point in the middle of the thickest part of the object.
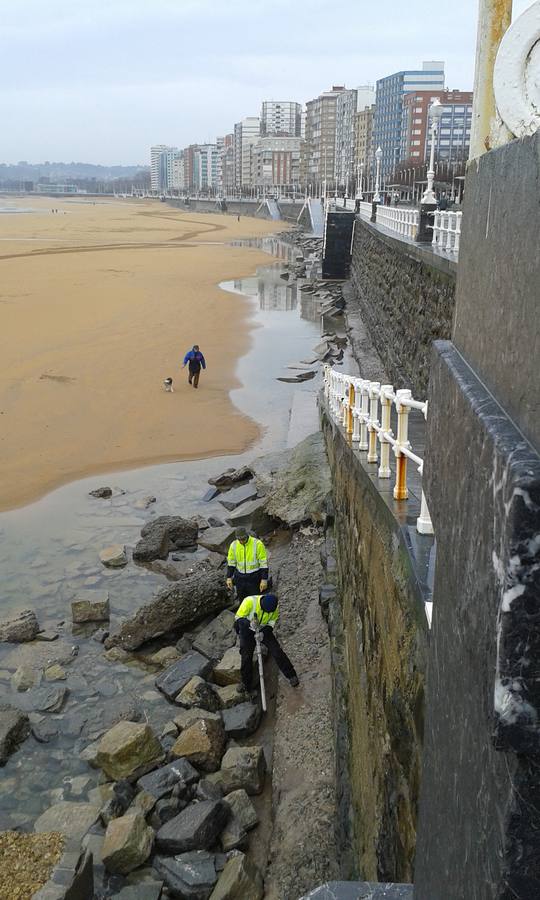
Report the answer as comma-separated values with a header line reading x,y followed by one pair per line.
x,y
312,213
269,209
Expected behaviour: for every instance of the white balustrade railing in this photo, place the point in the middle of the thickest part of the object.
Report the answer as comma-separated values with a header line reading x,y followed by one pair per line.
x,y
354,403
447,230
365,209
402,219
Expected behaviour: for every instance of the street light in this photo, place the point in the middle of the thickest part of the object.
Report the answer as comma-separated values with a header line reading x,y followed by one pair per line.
x,y
378,157
435,111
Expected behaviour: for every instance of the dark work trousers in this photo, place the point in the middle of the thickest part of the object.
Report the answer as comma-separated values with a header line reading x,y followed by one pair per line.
x,y
247,646
194,372
246,585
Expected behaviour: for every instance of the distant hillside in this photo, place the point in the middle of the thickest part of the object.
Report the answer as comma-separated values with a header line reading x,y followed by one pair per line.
x,y
59,171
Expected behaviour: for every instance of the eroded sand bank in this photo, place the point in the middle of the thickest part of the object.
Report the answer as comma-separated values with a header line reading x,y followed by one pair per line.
x,y
98,304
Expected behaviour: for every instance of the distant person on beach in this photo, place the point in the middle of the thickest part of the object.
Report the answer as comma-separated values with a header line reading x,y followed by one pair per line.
x,y
238,217
194,360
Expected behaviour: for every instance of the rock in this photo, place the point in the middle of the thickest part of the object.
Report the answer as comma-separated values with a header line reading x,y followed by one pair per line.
x,y
128,750
230,695
197,827
24,627
242,809
162,535
217,539
197,595
189,875
44,731
232,477
163,657
102,493
144,502
239,495
243,767
90,606
46,699
198,692
186,717
240,880
143,803
233,835
89,754
241,720
14,728
227,670
202,744
149,889
23,679
217,637
128,843
297,379
301,491
100,636
162,781
167,809
70,818
47,636
200,522
210,494
113,557
116,654
173,679
121,796
55,673
215,523
205,790
254,517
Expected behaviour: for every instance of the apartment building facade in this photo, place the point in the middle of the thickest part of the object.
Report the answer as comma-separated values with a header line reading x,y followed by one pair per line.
x,y
348,103
156,165
276,162
281,117
454,132
320,146
246,134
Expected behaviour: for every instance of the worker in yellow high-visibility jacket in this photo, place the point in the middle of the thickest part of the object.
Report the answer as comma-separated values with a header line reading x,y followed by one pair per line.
x,y
247,565
263,608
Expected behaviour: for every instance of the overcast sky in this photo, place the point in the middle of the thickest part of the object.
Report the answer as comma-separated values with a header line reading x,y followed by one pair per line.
x,y
101,80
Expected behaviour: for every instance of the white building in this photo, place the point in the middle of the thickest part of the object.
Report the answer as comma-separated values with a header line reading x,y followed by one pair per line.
x,y
177,174
348,104
246,134
155,165
281,117
206,167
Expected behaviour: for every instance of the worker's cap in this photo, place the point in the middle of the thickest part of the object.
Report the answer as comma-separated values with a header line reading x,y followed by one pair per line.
x,y
269,602
242,534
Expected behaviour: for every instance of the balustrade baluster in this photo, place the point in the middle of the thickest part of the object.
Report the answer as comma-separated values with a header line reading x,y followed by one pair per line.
x,y
386,411
400,488
374,389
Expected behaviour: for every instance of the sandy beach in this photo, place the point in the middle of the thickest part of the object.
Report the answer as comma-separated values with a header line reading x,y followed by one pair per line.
x,y
98,304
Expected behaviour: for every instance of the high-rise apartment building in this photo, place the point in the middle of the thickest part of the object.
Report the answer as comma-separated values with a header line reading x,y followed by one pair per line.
x,y
454,132
168,160
276,162
364,147
227,165
281,117
348,104
246,134
177,171
388,118
155,165
321,137
206,167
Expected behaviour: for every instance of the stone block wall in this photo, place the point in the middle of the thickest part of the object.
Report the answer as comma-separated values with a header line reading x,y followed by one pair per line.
x,y
379,637
406,295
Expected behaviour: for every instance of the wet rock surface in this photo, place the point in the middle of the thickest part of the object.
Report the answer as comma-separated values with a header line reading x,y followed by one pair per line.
x,y
176,677
239,879
128,750
190,875
164,534
300,492
14,728
24,627
196,828
202,744
128,843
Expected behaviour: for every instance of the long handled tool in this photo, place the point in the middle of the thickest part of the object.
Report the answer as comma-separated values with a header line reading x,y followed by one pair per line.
x,y
258,639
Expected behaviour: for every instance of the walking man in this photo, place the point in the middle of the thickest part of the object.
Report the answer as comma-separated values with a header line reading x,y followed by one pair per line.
x,y
196,360
263,607
247,565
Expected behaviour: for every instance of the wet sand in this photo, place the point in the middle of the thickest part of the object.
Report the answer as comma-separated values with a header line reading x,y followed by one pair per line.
x,y
98,304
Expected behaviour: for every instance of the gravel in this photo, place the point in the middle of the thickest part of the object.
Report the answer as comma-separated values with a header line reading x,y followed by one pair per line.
x,y
26,862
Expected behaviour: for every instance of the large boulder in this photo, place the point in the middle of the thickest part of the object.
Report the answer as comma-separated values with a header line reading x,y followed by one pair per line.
x,y
162,781
164,534
253,516
216,637
241,720
23,627
69,818
114,556
240,880
217,539
171,681
232,499
128,843
230,695
190,875
243,767
301,491
128,750
186,717
227,670
197,827
202,744
234,835
197,595
242,809
232,477
90,606
14,729
198,692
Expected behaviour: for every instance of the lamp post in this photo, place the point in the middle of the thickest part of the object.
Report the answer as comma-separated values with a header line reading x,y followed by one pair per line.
x,y
435,112
378,157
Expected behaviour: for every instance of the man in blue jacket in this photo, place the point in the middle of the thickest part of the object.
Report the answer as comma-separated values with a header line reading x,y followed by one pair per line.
x,y
196,361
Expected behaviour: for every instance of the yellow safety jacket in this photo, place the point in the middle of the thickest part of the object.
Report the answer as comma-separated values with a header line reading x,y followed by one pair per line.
x,y
251,607
247,558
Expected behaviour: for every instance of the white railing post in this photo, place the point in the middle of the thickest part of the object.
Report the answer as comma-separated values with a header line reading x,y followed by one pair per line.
x,y
364,416
350,407
400,488
424,524
459,216
374,389
386,410
356,410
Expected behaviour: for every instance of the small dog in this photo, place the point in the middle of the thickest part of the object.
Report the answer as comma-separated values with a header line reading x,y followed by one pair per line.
x,y
168,385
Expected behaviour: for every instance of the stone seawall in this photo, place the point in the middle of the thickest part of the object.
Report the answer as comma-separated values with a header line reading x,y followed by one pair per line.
x,y
289,211
379,643
406,294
